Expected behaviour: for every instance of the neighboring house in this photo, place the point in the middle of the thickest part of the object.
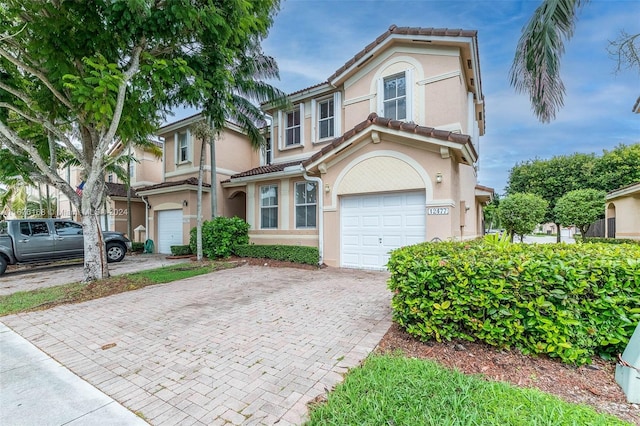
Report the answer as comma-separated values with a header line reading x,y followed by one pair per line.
x,y
173,202
622,213
381,155
145,171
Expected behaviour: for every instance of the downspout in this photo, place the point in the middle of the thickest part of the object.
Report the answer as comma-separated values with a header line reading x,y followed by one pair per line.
x,y
146,218
320,195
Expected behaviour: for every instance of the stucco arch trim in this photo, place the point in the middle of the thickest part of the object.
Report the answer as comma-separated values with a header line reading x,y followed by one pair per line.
x,y
168,206
381,171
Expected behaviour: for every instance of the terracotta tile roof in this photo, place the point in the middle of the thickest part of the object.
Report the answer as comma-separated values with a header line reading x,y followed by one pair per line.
x,y
190,181
370,121
485,188
396,125
393,29
119,190
271,168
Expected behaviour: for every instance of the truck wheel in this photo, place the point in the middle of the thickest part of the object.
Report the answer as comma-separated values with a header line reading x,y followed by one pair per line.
x,y
115,252
3,265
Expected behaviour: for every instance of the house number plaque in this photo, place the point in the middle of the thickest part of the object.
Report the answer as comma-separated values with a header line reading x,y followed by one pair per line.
x,y
438,210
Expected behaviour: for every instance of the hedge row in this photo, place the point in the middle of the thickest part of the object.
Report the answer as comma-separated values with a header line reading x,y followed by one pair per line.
x,y
180,250
570,301
610,240
297,254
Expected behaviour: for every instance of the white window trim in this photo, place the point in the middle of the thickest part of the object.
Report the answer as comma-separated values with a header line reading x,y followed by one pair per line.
x,y
296,205
315,118
282,118
277,207
408,75
176,139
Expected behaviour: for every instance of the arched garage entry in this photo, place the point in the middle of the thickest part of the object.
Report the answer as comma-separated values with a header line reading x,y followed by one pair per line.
x,y
382,207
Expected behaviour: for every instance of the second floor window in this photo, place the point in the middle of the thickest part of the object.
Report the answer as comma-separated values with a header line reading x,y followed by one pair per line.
x,y
269,207
292,128
183,147
110,177
395,97
326,113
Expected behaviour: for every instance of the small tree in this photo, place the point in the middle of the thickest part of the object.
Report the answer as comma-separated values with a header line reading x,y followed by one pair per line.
x,y
521,212
580,208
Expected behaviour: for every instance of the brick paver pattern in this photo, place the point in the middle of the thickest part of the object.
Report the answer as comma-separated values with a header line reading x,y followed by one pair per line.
x,y
245,346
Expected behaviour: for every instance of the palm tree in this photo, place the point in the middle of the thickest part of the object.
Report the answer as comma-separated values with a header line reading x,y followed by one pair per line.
x,y
536,65
248,91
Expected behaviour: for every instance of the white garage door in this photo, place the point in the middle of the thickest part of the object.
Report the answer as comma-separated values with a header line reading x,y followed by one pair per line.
x,y
169,230
373,225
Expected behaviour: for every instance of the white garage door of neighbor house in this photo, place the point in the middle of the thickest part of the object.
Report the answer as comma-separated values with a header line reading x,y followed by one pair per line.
x,y
373,225
169,230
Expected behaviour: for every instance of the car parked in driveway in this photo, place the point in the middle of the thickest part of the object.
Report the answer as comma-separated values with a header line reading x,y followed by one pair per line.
x,y
38,240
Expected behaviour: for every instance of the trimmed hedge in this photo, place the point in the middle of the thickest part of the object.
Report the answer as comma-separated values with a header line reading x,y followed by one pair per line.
x,y
180,250
570,301
137,247
610,240
220,236
297,254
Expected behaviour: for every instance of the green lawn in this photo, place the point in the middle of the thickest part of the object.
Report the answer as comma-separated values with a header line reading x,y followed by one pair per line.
x,y
77,292
393,390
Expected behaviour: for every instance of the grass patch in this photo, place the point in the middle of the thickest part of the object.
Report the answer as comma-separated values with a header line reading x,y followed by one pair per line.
x,y
77,292
395,390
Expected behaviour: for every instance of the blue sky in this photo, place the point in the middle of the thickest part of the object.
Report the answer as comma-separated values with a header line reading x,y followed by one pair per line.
x,y
311,39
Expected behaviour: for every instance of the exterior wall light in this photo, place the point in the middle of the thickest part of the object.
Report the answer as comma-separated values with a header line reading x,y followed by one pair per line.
x,y
185,203
327,188
438,177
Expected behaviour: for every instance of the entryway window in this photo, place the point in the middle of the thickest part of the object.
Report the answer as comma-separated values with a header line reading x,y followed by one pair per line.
x,y
269,207
306,205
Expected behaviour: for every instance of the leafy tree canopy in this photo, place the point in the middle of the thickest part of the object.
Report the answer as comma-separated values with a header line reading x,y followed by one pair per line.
x,y
520,213
75,75
580,208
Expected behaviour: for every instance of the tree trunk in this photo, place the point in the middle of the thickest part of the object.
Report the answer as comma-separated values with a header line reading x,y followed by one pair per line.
x,y
559,233
199,202
95,254
214,172
128,188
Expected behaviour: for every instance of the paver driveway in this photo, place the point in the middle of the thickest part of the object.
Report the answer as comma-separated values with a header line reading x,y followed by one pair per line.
x,y
250,345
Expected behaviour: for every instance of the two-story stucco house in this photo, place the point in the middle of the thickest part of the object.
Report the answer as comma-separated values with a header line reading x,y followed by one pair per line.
x,y
381,155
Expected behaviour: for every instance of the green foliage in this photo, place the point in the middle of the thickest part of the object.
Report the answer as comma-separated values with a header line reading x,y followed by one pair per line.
x,y
565,300
520,212
297,254
617,168
180,250
221,236
397,390
611,240
581,208
137,247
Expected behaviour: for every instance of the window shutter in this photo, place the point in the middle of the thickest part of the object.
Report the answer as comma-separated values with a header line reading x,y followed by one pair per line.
x,y
337,115
280,130
302,123
408,75
189,145
381,97
176,139
314,122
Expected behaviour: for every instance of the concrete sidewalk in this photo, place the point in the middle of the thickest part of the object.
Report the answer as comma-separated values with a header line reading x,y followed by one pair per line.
x,y
36,390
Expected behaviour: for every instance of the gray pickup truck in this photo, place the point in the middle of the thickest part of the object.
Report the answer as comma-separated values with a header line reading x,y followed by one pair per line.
x,y
39,240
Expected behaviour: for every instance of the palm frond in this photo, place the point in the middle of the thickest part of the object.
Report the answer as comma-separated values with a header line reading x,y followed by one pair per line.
x,y
536,65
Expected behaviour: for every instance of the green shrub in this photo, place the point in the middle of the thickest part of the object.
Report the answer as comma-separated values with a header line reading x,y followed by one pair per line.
x,y
297,254
137,247
220,236
569,301
180,250
610,240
